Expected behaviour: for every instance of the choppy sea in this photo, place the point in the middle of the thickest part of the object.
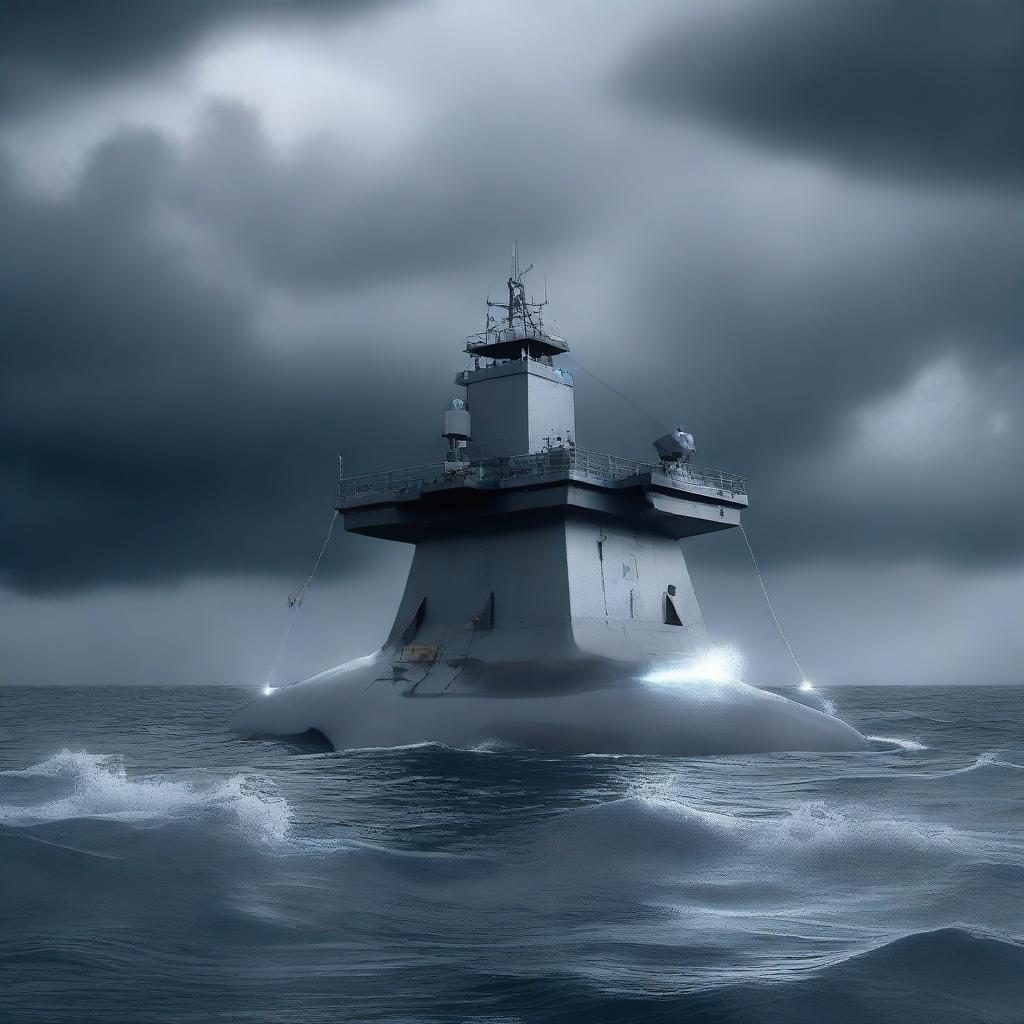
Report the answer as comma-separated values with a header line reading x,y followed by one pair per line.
x,y
155,867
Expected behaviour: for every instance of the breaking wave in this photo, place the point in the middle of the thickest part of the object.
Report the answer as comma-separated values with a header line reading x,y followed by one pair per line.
x,y
99,786
641,829
425,882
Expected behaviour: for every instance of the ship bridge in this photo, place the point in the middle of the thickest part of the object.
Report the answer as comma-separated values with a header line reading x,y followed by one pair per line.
x,y
512,452
530,548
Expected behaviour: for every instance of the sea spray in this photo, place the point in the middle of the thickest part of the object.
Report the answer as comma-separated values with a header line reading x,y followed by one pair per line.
x,y
99,786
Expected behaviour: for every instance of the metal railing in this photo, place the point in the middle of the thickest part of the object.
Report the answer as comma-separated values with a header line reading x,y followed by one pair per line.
x,y
568,463
518,333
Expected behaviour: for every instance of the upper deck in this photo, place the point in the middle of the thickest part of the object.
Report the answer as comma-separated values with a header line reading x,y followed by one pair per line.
x,y
512,341
554,466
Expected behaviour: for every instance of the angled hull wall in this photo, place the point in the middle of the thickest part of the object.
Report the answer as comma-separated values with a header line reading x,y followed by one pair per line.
x,y
565,588
501,634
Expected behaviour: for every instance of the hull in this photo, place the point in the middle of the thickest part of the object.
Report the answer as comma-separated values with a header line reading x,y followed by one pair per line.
x,y
548,603
586,707
547,633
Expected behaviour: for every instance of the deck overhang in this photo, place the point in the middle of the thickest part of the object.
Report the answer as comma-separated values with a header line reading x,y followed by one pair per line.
x,y
446,508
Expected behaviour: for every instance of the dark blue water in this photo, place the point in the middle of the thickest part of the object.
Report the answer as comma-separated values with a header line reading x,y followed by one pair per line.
x,y
153,867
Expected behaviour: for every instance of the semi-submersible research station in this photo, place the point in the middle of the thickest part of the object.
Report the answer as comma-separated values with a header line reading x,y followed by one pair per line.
x,y
543,573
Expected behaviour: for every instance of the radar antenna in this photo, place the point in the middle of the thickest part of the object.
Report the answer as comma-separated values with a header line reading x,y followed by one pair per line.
x,y
515,329
520,312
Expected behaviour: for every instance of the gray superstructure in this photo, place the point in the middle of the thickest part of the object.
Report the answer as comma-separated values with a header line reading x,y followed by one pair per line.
x,y
547,582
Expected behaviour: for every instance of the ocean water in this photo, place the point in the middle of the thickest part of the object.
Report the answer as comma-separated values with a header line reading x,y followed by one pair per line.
x,y
154,867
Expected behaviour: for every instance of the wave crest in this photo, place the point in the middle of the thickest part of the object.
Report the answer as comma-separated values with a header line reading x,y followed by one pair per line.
x,y
99,786
641,829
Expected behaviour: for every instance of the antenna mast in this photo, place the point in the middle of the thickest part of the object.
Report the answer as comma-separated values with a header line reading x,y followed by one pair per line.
x,y
518,329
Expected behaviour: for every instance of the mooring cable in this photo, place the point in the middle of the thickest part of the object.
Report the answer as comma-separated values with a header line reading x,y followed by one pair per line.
x,y
746,539
615,391
771,607
296,598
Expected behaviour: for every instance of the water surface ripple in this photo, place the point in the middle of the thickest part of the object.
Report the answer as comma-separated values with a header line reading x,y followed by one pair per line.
x,y
157,868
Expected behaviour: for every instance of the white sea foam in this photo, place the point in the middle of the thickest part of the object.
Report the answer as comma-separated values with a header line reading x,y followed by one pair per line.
x,y
488,746
896,741
989,759
495,746
397,747
67,762
829,707
815,827
658,827
99,786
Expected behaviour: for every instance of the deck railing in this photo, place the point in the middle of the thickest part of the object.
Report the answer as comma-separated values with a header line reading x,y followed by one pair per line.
x,y
570,463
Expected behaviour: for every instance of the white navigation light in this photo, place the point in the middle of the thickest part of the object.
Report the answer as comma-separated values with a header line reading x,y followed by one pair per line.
x,y
720,666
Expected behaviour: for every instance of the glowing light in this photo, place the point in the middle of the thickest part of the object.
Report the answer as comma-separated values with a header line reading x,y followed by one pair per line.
x,y
268,690
721,666
806,684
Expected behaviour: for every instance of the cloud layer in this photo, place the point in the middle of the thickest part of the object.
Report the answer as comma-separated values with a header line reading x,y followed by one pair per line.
x,y
49,47
794,227
924,90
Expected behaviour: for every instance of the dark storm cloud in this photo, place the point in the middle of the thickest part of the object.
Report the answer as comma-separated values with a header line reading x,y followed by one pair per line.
x,y
47,46
196,320
771,343
793,353
327,218
926,89
150,430
148,427
194,331
144,433
771,373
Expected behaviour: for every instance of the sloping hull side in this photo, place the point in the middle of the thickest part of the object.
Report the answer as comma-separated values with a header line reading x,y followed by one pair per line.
x,y
568,587
543,637
364,707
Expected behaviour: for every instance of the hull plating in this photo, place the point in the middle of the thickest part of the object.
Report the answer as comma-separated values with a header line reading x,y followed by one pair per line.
x,y
586,706
543,636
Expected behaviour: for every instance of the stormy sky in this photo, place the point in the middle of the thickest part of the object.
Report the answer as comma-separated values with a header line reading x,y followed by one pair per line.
x,y
241,237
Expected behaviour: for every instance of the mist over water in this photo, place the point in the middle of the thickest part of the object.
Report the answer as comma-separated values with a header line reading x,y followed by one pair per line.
x,y
157,867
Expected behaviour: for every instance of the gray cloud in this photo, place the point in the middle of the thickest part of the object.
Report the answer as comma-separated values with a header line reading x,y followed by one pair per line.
x,y
143,430
150,428
925,90
50,46
201,323
323,218
196,319
775,350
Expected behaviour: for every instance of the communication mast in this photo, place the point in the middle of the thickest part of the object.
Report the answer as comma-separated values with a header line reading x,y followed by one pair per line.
x,y
518,331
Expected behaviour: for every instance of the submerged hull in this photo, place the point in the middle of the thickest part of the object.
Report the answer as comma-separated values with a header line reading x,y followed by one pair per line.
x,y
583,707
